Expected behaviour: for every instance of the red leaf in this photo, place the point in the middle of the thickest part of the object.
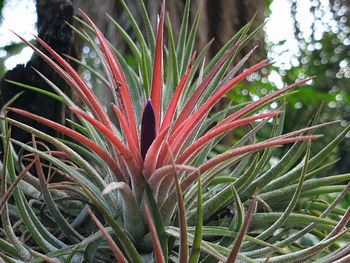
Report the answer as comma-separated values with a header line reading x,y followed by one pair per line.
x,y
204,84
219,129
157,248
265,99
118,144
78,137
114,247
151,158
129,139
81,84
70,81
240,151
180,135
239,240
157,81
251,148
169,115
119,79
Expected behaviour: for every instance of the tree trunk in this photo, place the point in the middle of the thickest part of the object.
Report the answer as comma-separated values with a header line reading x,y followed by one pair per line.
x,y
53,29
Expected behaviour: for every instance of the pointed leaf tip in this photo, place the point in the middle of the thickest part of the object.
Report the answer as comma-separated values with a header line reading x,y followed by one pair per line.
x,y
148,128
157,79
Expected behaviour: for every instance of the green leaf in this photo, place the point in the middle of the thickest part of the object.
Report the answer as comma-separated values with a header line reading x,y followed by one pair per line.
x,y
242,32
307,253
183,35
118,230
7,259
134,49
314,161
195,251
273,172
56,214
246,179
183,250
262,220
314,185
39,233
5,218
190,42
71,255
42,91
275,226
148,26
157,217
243,230
237,221
134,24
205,246
174,62
221,180
145,69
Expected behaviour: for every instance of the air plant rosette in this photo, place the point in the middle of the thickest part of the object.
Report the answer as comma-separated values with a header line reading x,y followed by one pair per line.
x,y
148,187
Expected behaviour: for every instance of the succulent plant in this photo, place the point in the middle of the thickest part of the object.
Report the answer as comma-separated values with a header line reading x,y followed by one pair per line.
x,y
145,181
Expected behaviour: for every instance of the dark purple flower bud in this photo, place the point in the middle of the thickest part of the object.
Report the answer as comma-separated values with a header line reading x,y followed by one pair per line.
x,y
148,128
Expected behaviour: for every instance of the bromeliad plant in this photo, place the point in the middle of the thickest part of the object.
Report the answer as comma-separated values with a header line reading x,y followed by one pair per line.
x,y
149,186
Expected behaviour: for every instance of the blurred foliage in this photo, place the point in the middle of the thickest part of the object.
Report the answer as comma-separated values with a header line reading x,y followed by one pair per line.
x,y
8,51
2,3
8,48
2,67
324,52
